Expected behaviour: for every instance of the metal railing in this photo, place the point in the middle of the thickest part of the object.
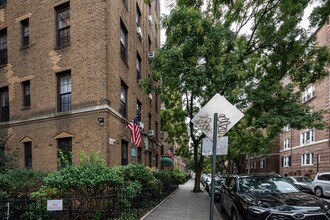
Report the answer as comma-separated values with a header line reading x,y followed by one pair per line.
x,y
119,206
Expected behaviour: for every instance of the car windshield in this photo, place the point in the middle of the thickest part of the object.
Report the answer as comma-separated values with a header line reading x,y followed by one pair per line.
x,y
303,179
263,184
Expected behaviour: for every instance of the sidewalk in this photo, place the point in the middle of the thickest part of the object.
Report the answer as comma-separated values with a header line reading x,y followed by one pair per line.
x,y
184,204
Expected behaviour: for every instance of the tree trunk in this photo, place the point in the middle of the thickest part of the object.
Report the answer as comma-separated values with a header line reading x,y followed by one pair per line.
x,y
197,187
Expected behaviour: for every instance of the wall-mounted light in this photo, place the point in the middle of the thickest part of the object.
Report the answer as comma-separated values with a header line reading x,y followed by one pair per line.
x,y
101,121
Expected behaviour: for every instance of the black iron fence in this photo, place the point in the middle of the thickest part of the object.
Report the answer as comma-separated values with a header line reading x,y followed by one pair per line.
x,y
119,206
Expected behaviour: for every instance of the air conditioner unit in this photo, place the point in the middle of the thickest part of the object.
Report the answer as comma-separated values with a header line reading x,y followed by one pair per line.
x,y
150,19
152,133
151,55
139,32
141,125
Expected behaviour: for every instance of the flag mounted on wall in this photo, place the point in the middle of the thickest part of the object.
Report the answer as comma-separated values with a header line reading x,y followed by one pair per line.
x,y
171,153
135,129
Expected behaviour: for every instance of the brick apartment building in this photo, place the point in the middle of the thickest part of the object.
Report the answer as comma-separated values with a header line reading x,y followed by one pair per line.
x,y
301,152
69,74
306,152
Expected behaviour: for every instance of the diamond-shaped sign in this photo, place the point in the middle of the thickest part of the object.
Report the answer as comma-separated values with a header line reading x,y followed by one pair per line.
x,y
228,116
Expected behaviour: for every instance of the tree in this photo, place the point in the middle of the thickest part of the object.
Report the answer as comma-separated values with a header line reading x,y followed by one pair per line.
x,y
242,50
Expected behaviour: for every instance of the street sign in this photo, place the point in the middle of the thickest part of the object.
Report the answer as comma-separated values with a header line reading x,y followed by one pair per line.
x,y
216,118
222,146
228,116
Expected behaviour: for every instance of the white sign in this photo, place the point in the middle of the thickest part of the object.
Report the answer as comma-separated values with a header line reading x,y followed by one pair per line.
x,y
55,205
228,116
222,146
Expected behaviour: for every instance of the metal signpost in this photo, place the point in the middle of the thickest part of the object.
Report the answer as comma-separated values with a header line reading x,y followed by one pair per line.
x,y
225,116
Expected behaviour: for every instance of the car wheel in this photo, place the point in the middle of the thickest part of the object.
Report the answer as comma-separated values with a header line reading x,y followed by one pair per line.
x,y
234,215
222,208
318,191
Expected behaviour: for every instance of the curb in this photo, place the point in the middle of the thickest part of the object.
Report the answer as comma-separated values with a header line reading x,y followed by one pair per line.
x,y
148,213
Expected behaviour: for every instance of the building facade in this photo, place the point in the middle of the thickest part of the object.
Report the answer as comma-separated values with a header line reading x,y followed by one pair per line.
x,y
69,80
307,151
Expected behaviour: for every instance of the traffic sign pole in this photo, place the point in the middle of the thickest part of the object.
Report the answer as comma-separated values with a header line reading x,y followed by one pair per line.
x,y
215,134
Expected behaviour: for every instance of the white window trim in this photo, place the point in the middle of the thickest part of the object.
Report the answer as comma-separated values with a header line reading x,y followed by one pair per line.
x,y
308,94
286,144
286,161
303,137
304,159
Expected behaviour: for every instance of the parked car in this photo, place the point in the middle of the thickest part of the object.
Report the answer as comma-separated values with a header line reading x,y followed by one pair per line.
x,y
303,183
217,183
321,184
269,196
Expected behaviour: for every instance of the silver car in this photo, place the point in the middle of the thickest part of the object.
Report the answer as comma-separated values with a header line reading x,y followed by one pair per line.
x,y
321,184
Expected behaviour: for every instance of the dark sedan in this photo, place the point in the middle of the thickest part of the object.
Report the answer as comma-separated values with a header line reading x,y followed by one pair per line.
x,y
271,197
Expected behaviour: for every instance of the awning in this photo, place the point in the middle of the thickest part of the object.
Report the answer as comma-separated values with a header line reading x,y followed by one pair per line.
x,y
165,161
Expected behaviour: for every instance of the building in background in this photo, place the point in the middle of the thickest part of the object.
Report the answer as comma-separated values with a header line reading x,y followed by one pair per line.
x,y
69,80
307,151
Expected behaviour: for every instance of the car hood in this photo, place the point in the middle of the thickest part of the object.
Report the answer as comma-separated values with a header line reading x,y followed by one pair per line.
x,y
286,201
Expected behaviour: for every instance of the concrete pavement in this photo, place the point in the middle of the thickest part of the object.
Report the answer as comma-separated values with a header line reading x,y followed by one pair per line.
x,y
183,204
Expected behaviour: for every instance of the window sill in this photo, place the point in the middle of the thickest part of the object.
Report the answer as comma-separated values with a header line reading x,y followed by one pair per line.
x,y
25,107
61,47
25,47
3,65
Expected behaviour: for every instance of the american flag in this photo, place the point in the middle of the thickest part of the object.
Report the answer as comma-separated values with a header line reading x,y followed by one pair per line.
x,y
135,129
170,152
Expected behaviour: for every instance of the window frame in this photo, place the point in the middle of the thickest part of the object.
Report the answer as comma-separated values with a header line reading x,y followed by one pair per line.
x,y
305,158
123,99
307,137
138,67
286,161
124,153
28,154
26,93
63,40
286,144
123,42
60,94
4,104
138,16
64,144
25,33
3,47
308,93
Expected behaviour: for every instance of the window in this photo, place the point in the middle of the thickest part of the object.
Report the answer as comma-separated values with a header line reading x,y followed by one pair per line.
x,y
138,16
25,33
286,144
4,104
308,94
286,161
286,128
64,151
261,164
149,44
150,159
64,91
324,177
3,3
3,47
307,159
138,67
139,155
26,94
156,6
124,152
156,101
123,100
307,137
63,25
28,154
156,130
149,122
138,109
123,42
